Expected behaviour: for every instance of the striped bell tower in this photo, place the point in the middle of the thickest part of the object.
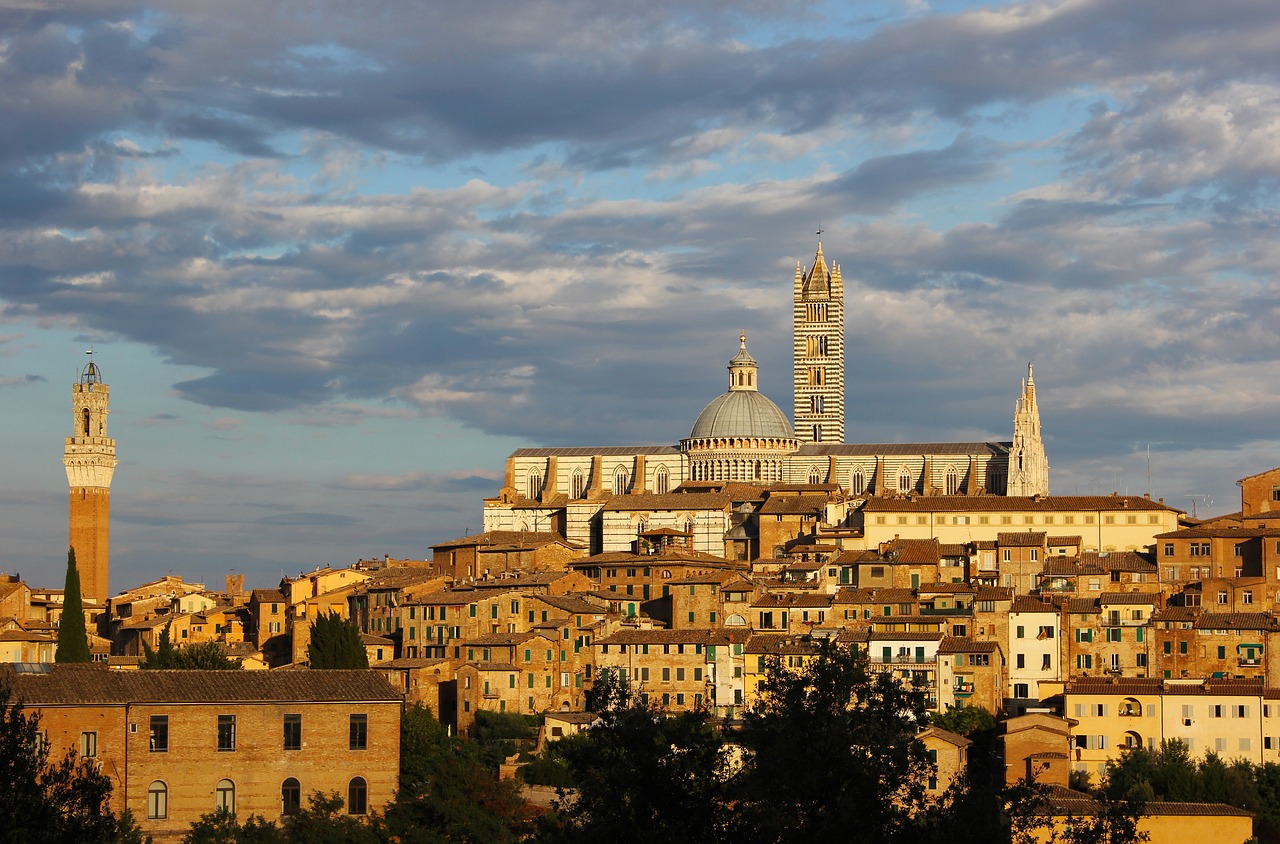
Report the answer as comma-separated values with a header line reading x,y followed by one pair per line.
x,y
818,351
90,460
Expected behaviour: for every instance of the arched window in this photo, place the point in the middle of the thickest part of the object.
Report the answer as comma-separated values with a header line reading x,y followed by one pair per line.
x,y
579,484
859,482
735,620
157,801
953,481
815,475
224,797
904,480
663,481
290,796
619,481
357,797
535,484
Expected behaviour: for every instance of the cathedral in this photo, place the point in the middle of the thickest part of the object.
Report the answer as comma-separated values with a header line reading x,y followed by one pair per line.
x,y
743,438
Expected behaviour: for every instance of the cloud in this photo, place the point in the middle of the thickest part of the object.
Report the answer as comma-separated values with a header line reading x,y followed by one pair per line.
x,y
21,380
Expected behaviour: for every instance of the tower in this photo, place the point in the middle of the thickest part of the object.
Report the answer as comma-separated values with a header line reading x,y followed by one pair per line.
x,y
90,458
1028,466
818,352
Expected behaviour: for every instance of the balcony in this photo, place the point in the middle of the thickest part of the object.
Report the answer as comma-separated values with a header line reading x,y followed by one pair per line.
x,y
966,611
962,689
1245,661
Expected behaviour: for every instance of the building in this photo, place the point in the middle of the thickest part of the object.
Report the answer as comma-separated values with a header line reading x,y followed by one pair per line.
x,y
741,437
90,460
180,744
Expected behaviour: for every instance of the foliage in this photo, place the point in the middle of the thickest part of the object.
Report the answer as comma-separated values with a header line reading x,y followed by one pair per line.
x,y
964,720
830,747
335,643
501,734
549,768
641,770
1115,821
220,827
50,800
446,792
324,822
206,656
73,641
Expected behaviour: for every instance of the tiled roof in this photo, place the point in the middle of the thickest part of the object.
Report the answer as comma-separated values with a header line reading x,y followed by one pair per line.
x,y
1176,614
1081,606
1155,686
571,604
994,593
267,596
1236,621
913,551
1062,540
953,549
527,539
1118,561
603,451
76,684
1012,503
946,735
965,645
1021,539
901,449
905,636
685,636
950,588
1026,603
781,643
794,505
792,599
1134,598
670,501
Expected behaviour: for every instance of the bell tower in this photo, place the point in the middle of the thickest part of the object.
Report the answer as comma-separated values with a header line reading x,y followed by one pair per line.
x,y
90,459
1028,466
818,351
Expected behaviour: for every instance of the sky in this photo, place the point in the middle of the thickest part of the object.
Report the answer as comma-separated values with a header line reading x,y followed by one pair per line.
x,y
337,260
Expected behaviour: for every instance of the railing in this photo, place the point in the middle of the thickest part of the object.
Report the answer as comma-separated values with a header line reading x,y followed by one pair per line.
x,y
962,688
1247,661
945,611
903,659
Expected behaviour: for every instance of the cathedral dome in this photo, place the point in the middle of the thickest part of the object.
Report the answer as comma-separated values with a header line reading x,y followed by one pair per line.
x,y
741,413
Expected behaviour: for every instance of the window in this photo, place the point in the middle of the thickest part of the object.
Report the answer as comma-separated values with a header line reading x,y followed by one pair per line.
x,y
293,732
290,796
224,797
88,745
359,738
904,481
226,732
157,801
160,739
1246,597
1022,660
357,797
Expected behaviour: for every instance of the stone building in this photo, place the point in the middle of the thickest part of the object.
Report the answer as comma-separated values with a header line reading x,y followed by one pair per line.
x,y
180,744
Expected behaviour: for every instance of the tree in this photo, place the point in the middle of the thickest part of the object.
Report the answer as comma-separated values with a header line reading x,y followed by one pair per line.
x,y
964,720
205,656
446,791
641,769
831,747
73,641
220,827
47,800
335,643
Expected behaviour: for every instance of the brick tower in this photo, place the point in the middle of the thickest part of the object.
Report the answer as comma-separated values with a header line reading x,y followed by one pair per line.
x,y
818,319
90,458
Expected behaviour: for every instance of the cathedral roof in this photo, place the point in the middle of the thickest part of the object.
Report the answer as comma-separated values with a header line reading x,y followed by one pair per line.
x,y
741,413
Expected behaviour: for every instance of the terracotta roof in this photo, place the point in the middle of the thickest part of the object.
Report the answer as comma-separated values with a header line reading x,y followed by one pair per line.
x,y
949,588
965,645
1236,621
946,735
905,636
794,505
670,501
571,604
1138,598
913,551
521,538
685,636
76,684
1021,539
1156,685
994,593
1176,614
1118,561
1062,540
792,599
1081,606
953,549
781,644
1013,503
1026,603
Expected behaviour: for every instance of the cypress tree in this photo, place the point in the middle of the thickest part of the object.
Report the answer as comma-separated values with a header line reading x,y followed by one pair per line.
x,y
335,643
73,641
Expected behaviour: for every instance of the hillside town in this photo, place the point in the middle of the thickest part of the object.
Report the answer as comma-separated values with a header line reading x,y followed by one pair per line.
x,y
1086,624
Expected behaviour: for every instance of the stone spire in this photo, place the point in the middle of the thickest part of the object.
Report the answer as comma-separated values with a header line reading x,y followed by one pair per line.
x,y
1028,466
90,460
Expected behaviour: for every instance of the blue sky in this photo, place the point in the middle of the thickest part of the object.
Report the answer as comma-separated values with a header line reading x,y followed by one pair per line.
x,y
337,263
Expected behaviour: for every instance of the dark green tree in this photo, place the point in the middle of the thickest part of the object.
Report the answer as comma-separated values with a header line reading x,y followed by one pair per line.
x,y
164,654
73,641
446,791
830,748
43,799
220,827
335,643
964,720
641,769
207,656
